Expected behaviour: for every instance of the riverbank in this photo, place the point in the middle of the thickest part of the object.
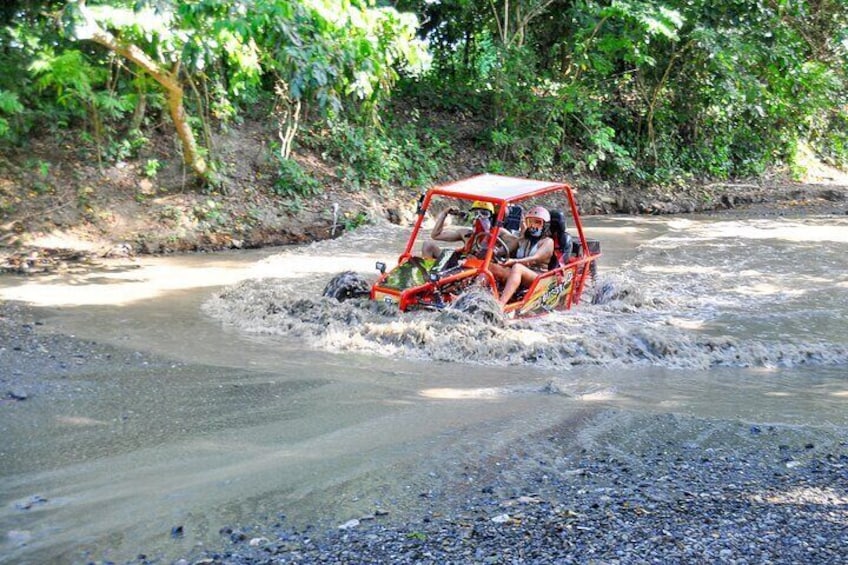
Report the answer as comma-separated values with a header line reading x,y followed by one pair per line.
x,y
80,248
34,359
67,215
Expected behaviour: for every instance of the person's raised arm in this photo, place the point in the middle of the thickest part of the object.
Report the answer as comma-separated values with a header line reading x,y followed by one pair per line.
x,y
440,234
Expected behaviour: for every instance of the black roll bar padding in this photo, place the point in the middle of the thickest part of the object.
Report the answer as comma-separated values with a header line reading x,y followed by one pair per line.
x,y
420,210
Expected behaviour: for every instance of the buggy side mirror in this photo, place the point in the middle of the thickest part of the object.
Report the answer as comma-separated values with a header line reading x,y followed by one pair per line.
x,y
381,267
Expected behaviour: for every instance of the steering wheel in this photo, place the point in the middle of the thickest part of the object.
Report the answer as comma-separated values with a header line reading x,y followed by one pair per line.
x,y
501,252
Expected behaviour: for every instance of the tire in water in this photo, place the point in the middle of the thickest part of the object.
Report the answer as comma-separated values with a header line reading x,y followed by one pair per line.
x,y
347,285
479,303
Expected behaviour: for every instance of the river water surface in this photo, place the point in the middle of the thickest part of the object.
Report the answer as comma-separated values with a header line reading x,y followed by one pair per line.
x,y
265,400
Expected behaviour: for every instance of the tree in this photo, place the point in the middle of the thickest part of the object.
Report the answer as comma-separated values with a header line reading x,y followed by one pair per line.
x,y
164,37
334,56
647,88
315,51
512,18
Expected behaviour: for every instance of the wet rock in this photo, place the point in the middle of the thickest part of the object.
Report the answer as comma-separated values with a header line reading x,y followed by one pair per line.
x,y
32,501
501,519
177,532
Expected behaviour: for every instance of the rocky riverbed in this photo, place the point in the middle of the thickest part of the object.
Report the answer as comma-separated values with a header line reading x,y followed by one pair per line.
x,y
605,486
34,361
613,488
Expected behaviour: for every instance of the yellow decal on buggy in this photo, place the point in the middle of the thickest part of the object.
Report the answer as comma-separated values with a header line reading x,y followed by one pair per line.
x,y
549,293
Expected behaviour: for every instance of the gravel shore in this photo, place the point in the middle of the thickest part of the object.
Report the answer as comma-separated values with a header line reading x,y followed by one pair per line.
x,y
620,488
33,362
610,487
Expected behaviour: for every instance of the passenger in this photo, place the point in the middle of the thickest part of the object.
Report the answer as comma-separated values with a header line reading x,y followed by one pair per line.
x,y
481,213
535,248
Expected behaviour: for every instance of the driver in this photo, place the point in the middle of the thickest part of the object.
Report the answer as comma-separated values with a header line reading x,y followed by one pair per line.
x,y
535,249
482,214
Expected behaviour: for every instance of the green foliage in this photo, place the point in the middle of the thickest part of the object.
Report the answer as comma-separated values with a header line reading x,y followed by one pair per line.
x,y
71,77
127,147
81,89
496,167
151,168
353,221
293,182
40,181
646,90
401,154
170,215
832,139
643,91
10,106
336,55
41,167
210,213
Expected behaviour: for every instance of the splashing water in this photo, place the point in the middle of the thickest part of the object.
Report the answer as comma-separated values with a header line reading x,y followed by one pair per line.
x,y
748,293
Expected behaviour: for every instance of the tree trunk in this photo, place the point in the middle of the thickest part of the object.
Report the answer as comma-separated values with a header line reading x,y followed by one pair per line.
x,y
191,156
169,80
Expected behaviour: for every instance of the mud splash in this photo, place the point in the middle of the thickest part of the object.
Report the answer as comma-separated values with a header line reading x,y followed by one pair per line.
x,y
630,329
703,294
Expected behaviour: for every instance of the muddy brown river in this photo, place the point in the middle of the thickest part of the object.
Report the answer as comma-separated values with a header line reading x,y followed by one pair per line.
x,y
263,399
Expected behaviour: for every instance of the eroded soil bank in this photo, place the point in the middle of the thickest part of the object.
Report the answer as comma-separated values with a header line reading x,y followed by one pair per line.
x,y
59,211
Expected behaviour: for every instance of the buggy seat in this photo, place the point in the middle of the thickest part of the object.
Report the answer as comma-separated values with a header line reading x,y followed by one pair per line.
x,y
512,222
563,243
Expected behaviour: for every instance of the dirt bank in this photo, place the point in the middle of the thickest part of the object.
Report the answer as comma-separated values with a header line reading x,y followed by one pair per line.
x,y
59,210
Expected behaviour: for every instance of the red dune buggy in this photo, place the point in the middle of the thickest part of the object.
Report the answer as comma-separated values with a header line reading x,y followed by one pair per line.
x,y
434,283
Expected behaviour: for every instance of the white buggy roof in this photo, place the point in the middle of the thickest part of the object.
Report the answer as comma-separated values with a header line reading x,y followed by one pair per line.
x,y
497,188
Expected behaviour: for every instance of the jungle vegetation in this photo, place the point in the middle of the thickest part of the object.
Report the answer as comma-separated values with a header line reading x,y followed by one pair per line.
x,y
645,91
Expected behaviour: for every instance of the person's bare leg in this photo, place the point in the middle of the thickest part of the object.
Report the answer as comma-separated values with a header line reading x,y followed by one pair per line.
x,y
519,275
500,272
429,250
513,281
